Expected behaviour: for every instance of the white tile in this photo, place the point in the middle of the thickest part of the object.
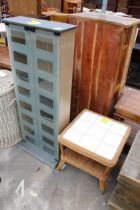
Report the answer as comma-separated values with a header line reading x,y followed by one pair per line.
x,y
96,132
103,122
113,139
118,128
88,117
73,135
106,151
81,125
89,143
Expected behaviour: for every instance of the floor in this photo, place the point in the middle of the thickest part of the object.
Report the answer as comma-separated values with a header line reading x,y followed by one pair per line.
x,y
28,184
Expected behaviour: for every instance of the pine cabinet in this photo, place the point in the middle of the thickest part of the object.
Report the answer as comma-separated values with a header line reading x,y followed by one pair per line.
x,y
41,55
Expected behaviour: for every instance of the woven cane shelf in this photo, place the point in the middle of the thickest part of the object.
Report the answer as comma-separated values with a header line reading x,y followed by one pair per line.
x,y
86,164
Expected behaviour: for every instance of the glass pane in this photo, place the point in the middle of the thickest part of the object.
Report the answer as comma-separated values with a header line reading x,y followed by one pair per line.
x,y
19,57
46,85
30,139
29,130
46,116
48,141
18,37
27,118
45,65
46,149
23,91
25,106
46,101
47,129
44,44
22,75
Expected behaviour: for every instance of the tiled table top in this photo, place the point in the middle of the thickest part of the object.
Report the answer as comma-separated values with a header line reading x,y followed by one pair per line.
x,y
97,134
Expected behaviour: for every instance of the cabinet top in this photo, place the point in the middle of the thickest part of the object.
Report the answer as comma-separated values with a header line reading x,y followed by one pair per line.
x,y
112,19
40,24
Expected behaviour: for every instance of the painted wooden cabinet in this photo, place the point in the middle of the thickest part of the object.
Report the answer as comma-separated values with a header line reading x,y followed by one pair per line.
x,y
42,63
103,50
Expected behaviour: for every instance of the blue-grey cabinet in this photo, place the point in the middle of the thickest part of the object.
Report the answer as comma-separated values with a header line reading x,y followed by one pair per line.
x,y
41,55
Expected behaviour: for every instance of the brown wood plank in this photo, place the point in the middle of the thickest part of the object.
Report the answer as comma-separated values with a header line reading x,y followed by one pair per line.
x,y
127,192
132,161
4,58
54,4
126,22
106,58
86,67
134,129
77,67
124,199
128,105
25,7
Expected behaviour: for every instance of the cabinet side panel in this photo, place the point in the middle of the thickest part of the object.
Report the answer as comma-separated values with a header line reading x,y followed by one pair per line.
x,y
66,54
129,41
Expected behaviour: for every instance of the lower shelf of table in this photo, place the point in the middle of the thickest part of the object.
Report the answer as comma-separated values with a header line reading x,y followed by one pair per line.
x,y
86,164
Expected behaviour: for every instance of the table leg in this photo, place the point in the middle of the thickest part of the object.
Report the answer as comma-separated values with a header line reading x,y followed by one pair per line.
x,y
60,165
103,180
62,162
102,185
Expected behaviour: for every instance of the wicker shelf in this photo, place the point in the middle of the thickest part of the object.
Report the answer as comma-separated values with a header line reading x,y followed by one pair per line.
x,y
86,164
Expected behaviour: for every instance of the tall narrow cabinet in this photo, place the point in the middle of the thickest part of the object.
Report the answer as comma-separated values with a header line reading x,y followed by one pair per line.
x,y
42,61
103,49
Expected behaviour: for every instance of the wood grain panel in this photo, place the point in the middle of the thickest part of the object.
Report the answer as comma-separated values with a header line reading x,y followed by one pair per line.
x,y
126,193
102,56
54,4
86,76
107,62
77,66
25,7
4,58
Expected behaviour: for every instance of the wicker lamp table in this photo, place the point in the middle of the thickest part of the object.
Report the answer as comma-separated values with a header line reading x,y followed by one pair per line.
x,y
93,143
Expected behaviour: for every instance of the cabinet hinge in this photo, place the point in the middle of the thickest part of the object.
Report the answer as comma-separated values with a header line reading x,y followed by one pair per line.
x,y
26,28
57,33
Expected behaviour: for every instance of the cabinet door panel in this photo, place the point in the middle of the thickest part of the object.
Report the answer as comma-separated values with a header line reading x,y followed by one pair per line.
x,y
46,68
20,51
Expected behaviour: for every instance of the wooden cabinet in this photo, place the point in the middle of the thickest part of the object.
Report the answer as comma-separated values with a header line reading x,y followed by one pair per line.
x,y
103,49
25,7
54,4
71,6
42,63
126,194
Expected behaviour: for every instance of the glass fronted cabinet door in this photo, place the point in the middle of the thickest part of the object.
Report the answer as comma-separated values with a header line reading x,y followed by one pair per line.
x,y
20,51
46,75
